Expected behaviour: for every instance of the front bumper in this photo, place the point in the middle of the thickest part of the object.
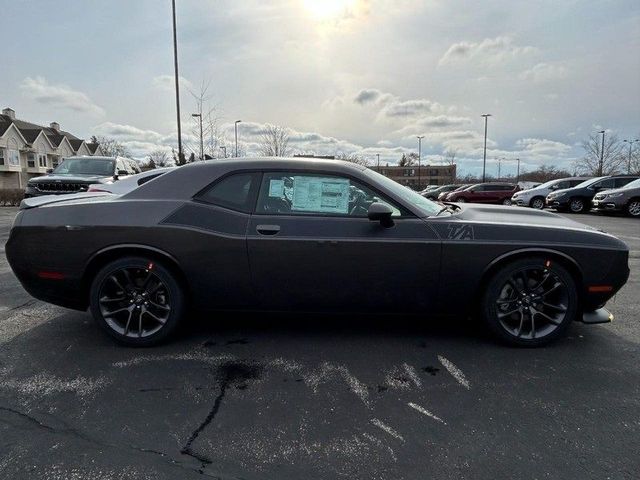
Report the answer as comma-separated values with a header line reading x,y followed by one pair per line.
x,y
557,203
606,205
521,202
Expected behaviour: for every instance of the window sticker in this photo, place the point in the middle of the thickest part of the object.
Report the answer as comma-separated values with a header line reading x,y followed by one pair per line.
x,y
320,194
276,188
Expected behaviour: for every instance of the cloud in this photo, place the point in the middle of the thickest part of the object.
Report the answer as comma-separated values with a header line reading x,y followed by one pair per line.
x,y
544,72
168,83
367,95
543,147
488,51
410,108
59,96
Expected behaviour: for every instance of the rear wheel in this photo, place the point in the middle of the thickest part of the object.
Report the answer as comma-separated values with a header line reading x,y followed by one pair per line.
x,y
530,302
633,208
537,202
507,201
576,205
461,200
137,301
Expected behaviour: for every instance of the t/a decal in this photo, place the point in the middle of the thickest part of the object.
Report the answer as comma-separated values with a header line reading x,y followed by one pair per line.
x,y
460,232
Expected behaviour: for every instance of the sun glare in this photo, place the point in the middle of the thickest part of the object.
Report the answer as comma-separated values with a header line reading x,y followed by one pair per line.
x,y
328,9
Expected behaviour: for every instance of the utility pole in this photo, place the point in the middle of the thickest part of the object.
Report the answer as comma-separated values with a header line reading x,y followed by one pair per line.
x,y
518,174
235,126
484,155
630,142
378,155
199,116
499,168
601,164
175,65
224,150
420,137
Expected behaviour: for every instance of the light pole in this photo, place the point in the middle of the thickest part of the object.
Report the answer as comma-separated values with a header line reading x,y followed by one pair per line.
x,y
499,167
484,155
224,150
378,155
199,116
630,142
601,164
420,137
235,126
175,65
518,173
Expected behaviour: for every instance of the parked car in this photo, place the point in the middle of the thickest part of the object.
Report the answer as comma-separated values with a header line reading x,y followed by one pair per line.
x,y
535,197
435,193
287,235
485,193
75,174
578,199
121,187
444,196
626,199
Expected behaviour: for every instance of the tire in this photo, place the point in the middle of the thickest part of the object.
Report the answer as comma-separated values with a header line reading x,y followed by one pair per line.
x,y
576,205
507,201
633,208
532,313
537,203
460,200
137,301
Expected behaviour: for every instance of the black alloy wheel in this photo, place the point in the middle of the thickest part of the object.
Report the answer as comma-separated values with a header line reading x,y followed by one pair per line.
x,y
530,302
137,301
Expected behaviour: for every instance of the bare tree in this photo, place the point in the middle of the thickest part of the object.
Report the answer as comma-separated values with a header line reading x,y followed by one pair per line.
x,y
544,173
111,147
212,135
450,159
353,158
159,158
598,161
408,160
274,141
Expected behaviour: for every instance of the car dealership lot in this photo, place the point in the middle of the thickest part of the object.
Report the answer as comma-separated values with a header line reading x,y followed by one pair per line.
x,y
278,396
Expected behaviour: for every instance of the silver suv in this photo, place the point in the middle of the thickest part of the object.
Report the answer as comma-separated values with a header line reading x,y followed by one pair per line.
x,y
534,197
625,199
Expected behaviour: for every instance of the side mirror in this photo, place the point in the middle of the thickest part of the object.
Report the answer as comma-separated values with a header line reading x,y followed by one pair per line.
x,y
122,172
379,212
49,170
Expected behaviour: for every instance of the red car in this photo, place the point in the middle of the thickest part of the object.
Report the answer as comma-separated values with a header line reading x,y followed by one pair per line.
x,y
485,193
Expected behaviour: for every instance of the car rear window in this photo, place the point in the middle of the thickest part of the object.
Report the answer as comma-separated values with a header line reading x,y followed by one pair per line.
x,y
236,192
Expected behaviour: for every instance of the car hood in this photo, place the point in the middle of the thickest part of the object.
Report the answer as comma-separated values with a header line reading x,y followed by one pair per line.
x,y
561,191
631,191
68,179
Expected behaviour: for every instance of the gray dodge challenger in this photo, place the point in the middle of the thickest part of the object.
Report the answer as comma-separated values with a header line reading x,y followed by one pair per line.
x,y
263,234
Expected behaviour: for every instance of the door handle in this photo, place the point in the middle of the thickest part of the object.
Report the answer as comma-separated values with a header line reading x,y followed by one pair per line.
x,y
268,229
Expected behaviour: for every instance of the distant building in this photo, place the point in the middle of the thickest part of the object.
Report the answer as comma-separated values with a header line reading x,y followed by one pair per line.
x,y
28,150
419,178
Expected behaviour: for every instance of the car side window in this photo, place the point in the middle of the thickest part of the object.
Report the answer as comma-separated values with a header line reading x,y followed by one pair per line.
x,y
291,193
608,183
622,181
235,192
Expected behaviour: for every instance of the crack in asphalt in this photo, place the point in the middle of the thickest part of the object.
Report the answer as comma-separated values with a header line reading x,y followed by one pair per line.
x,y
75,433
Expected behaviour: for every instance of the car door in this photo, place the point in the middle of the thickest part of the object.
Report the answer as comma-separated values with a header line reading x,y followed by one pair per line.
x,y
489,194
312,247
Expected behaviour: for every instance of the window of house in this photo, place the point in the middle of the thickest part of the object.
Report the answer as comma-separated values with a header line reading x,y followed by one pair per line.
x,y
14,158
55,162
42,160
236,192
292,193
1,156
31,160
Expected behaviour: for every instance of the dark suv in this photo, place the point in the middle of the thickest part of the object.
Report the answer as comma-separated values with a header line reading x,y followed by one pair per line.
x,y
578,199
485,193
75,174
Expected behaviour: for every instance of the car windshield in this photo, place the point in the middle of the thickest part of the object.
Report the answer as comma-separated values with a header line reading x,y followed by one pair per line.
x,y
548,184
86,166
586,183
634,184
427,206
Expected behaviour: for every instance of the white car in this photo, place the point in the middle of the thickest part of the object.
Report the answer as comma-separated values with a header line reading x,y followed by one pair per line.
x,y
535,197
120,187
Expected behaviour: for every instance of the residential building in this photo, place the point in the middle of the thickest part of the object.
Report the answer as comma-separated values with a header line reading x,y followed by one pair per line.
x,y
419,177
28,150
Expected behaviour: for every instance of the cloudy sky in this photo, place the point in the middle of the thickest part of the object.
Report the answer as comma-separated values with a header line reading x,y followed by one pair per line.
x,y
362,76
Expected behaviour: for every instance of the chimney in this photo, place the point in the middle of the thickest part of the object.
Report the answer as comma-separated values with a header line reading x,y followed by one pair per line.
x,y
9,112
55,126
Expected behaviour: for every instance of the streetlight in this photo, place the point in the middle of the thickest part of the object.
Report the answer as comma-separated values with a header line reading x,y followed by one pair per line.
x,y
420,137
500,167
601,165
235,126
224,150
378,155
199,116
484,155
518,174
630,142
175,65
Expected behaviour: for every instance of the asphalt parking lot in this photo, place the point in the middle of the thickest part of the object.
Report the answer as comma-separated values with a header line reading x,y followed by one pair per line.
x,y
305,397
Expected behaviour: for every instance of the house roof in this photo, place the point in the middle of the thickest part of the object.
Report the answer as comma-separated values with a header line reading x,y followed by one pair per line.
x,y
93,147
76,143
30,132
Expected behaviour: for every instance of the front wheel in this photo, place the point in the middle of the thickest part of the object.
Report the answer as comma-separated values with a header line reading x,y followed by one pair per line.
x,y
137,301
633,208
537,203
576,205
530,302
